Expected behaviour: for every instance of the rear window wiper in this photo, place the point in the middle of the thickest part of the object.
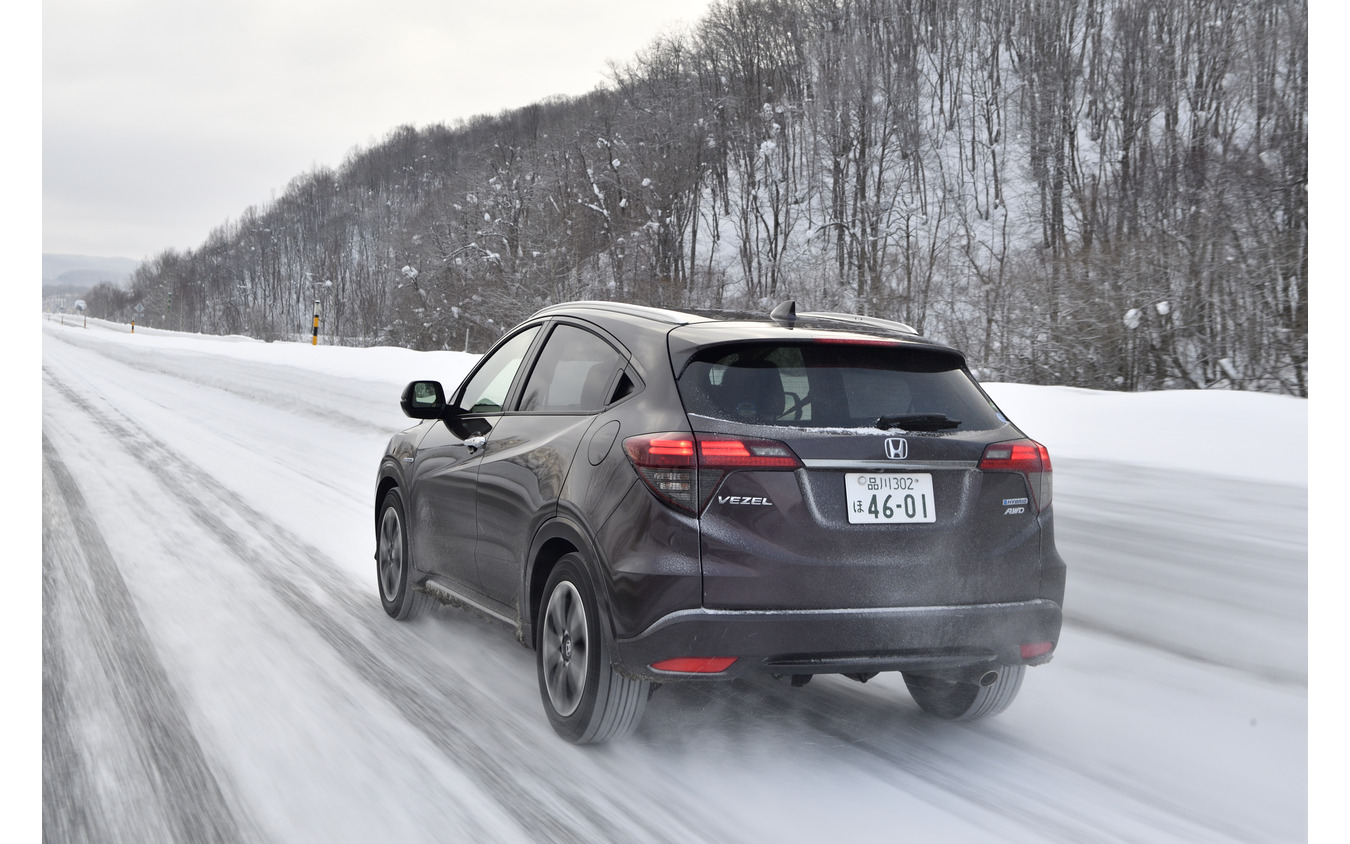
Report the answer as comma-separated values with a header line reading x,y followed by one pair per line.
x,y
918,422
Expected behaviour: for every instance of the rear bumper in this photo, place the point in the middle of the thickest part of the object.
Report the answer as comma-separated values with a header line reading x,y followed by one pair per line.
x,y
953,639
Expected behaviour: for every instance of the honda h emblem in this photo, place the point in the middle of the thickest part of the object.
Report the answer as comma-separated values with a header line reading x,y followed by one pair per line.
x,y
897,448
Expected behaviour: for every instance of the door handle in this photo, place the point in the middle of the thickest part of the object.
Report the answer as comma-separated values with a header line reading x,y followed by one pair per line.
x,y
475,443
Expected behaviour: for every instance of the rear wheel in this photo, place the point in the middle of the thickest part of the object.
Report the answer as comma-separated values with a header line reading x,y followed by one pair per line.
x,y
392,562
957,700
587,701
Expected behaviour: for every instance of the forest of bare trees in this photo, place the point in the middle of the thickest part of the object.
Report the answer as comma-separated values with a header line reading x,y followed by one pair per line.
x,y
1101,193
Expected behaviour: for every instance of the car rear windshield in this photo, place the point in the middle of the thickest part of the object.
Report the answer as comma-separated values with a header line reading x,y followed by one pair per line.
x,y
836,385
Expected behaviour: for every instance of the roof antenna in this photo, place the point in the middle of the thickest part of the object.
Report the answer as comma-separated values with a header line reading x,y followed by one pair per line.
x,y
785,314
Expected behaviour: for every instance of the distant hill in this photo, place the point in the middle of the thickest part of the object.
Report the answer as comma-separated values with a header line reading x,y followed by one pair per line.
x,y
74,275
85,270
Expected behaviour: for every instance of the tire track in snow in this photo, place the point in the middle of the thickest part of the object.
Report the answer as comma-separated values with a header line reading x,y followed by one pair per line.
x,y
328,412
940,755
545,805
1208,568
68,798
188,803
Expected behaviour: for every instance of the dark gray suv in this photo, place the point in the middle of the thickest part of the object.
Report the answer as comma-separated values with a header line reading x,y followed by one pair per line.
x,y
648,496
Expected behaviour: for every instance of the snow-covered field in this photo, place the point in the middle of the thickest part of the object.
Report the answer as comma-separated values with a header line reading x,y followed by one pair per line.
x,y
216,664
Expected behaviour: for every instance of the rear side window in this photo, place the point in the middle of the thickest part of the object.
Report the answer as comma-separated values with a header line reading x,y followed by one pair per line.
x,y
573,374
835,385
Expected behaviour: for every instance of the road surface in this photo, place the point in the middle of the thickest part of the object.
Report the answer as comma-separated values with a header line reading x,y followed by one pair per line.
x,y
217,667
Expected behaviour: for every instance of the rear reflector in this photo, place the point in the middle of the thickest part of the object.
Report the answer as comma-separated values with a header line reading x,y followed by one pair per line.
x,y
1027,457
695,664
1036,649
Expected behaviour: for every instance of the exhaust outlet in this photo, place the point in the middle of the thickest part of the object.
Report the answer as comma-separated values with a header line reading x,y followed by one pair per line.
x,y
989,678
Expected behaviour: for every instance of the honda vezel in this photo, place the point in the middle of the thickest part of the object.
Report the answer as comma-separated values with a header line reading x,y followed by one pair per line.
x,y
647,496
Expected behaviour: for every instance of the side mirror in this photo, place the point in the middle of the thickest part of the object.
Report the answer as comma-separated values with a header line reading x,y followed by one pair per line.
x,y
423,400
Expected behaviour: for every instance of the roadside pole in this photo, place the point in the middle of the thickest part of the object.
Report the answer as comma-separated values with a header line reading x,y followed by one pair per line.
x,y
316,323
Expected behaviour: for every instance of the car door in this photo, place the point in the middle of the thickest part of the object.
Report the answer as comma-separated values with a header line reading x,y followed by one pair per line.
x,y
444,489
531,451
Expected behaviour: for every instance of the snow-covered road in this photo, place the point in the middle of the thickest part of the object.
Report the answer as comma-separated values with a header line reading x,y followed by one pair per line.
x,y
216,664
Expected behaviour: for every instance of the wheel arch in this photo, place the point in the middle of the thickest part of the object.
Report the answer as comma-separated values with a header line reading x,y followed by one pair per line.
x,y
386,482
554,540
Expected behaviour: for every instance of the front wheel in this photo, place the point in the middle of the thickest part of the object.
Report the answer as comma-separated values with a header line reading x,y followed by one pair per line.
x,y
955,700
392,562
587,701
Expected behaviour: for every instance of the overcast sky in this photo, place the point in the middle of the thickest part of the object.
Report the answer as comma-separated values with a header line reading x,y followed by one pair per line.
x,y
162,119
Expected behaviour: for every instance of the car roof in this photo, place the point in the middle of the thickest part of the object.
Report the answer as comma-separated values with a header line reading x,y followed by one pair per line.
x,y
687,331
784,315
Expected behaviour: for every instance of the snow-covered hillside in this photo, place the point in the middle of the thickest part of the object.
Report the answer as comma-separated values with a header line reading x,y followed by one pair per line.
x,y
217,664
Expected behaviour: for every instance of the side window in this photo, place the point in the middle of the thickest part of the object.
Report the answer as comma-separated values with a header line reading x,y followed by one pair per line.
x,y
486,391
573,374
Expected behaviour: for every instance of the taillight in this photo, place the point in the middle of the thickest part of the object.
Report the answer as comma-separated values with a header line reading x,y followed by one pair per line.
x,y
668,465
685,470
744,454
1026,457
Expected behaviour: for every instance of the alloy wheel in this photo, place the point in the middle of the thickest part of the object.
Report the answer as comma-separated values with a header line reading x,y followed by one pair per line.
x,y
391,553
564,646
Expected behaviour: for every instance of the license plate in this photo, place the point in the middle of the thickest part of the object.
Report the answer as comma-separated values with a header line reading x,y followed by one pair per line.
x,y
889,498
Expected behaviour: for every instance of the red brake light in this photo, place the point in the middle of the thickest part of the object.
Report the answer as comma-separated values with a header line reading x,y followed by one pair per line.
x,y
726,449
745,454
674,452
854,341
685,471
1018,456
1027,457
666,462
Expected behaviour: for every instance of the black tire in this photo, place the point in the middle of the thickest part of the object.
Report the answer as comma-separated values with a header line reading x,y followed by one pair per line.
x,y
955,700
587,701
393,562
